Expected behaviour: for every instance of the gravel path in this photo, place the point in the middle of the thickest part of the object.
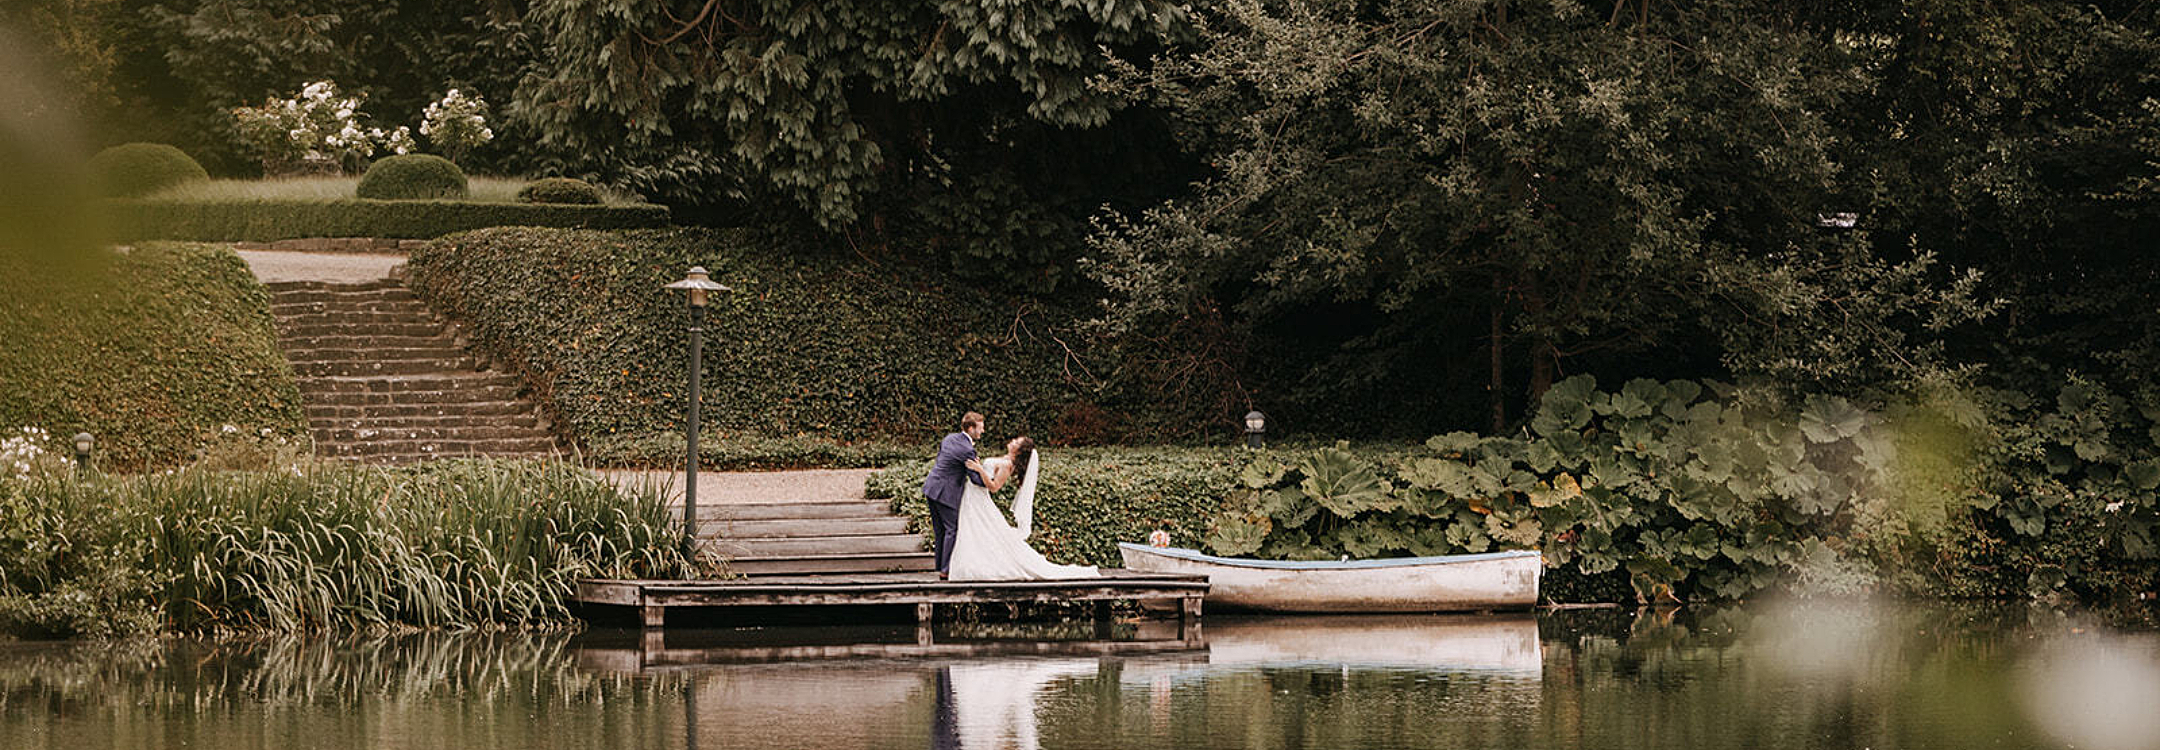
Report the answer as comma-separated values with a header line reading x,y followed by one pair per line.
x,y
747,487
276,265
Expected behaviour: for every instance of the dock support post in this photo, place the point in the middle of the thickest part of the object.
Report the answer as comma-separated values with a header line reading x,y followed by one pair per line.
x,y
1189,619
924,616
1102,620
655,616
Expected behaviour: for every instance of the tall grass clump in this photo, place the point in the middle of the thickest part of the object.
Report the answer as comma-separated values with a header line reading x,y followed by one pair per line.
x,y
455,544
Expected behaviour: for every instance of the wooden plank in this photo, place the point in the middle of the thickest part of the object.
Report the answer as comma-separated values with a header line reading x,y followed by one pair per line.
x,y
690,657
607,592
868,595
655,615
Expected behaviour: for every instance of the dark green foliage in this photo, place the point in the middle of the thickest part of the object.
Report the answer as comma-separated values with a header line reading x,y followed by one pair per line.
x,y
332,547
156,352
1089,499
137,169
266,220
746,451
559,190
412,177
812,341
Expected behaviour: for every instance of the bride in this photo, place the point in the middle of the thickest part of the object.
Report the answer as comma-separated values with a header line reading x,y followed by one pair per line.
x,y
985,547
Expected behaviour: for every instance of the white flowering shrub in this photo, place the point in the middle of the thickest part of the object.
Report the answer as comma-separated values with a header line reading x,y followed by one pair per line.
x,y
25,453
320,125
456,124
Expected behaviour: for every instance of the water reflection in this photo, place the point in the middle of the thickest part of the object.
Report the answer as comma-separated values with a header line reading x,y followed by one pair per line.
x,y
1936,677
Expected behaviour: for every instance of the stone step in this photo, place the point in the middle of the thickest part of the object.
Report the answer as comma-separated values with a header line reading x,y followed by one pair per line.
x,y
360,367
402,383
797,528
376,354
297,344
435,448
351,399
839,509
467,409
460,433
807,564
407,458
285,309
878,544
342,296
358,319
287,330
286,287
529,420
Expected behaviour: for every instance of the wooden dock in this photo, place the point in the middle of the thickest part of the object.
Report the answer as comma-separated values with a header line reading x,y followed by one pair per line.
x,y
923,589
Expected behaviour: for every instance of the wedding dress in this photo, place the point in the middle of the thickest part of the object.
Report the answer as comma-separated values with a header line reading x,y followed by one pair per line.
x,y
986,548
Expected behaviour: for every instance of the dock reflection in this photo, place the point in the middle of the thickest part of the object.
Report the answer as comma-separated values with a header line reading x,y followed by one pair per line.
x,y
982,686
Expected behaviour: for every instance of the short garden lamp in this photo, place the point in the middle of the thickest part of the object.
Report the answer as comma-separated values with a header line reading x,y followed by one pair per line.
x,y
700,286
83,443
1255,428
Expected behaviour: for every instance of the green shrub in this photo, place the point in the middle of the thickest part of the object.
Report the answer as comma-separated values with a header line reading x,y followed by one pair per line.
x,y
811,342
747,452
559,190
135,169
325,547
264,220
1089,499
412,177
160,351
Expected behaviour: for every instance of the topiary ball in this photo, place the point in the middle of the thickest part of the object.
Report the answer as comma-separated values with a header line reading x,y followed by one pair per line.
x,y
559,190
412,177
136,169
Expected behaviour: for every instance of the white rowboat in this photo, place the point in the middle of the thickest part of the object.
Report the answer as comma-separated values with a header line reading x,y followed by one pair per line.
x,y
1450,583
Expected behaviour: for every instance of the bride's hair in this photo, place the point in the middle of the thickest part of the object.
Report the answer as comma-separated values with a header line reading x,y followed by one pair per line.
x,y
1024,454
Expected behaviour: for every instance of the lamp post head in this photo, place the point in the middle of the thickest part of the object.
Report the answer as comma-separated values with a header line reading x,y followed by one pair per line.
x,y
83,443
1255,422
698,284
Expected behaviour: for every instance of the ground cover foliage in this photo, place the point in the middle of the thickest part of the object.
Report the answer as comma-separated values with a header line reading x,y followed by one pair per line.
x,y
1664,490
157,350
811,342
450,544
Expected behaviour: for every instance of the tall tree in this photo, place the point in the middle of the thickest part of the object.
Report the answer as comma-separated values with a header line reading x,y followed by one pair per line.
x,y
1540,185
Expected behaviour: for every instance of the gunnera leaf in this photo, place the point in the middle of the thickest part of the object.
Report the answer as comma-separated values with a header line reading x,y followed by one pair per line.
x,y
1343,484
1236,535
1261,474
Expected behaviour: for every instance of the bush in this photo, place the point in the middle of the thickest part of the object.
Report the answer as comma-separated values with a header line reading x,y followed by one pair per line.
x,y
811,343
265,220
323,547
559,190
412,177
178,355
747,452
137,169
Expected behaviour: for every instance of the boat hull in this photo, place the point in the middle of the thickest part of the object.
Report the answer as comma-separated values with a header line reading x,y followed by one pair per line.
x,y
1426,584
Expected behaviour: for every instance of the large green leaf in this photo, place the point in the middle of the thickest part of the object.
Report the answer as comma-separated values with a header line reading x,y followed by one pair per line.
x,y
1289,507
1236,535
1828,420
1261,473
2143,475
1344,484
1519,533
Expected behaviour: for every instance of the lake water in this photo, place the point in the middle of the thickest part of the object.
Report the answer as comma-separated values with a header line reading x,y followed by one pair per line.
x,y
1821,676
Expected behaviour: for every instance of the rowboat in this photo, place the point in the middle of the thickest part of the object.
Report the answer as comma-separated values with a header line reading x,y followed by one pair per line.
x,y
1448,583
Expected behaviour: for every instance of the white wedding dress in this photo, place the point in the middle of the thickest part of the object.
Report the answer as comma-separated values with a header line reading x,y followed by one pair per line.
x,y
986,548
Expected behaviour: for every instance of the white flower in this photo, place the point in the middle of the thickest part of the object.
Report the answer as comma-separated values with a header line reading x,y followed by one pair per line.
x,y
229,429
2114,507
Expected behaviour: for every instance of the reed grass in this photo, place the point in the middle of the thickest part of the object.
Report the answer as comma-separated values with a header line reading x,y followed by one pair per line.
x,y
454,544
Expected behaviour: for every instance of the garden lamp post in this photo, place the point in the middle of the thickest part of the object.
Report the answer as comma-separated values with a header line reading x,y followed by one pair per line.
x,y
83,443
700,286
1255,428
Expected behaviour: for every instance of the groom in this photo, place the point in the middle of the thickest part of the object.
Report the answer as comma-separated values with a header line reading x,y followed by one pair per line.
x,y
955,461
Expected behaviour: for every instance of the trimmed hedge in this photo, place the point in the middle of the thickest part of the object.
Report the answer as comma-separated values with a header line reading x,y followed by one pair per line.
x,y
1089,499
269,220
412,177
746,452
157,350
142,168
559,190
811,343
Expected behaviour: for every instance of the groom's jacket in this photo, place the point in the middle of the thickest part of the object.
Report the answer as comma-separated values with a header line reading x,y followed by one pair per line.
x,y
944,485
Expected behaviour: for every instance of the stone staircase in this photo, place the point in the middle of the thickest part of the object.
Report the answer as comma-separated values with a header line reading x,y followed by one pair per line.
x,y
802,523
385,380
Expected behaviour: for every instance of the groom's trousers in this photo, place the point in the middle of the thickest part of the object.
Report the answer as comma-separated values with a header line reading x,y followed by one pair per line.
x,y
944,523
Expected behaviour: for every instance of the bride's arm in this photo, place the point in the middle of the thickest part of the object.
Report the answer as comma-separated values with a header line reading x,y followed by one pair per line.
x,y
998,477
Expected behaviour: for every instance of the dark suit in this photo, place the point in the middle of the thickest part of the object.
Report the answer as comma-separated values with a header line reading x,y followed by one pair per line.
x,y
944,488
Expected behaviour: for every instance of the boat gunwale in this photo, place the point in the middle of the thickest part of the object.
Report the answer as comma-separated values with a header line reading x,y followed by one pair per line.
x,y
1190,555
